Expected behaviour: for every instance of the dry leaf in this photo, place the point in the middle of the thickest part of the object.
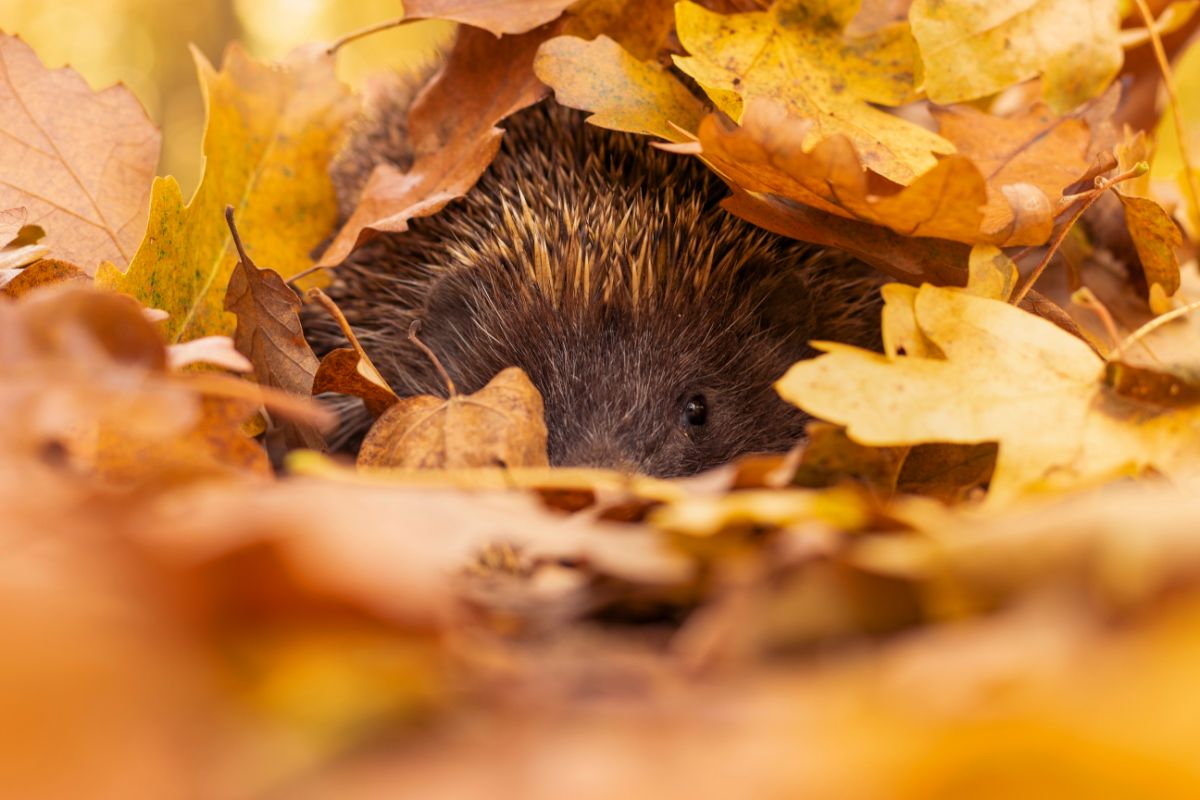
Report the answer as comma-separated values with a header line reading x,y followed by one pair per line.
x,y
802,61
454,136
500,424
1155,235
1169,165
497,16
1003,376
269,334
623,93
347,371
217,351
643,28
80,161
974,48
46,272
272,131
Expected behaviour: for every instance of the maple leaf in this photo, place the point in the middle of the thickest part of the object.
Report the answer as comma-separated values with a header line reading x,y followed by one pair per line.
x,y
974,48
271,133
452,126
1003,376
624,93
80,161
270,335
798,57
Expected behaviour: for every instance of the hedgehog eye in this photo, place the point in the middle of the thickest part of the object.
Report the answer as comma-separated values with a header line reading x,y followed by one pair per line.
x,y
695,410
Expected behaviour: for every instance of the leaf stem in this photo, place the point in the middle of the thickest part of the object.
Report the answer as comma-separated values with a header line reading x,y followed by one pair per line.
x,y
1164,66
1154,324
367,31
327,303
1089,198
237,239
437,362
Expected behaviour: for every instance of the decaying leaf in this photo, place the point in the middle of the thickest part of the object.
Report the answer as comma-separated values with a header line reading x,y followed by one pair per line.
x,y
1003,376
79,161
798,57
272,131
269,334
974,48
452,126
501,424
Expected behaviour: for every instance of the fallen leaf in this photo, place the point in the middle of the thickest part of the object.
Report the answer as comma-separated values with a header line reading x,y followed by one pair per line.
x,y
1155,235
46,272
974,48
11,222
644,34
349,370
801,60
272,131
1004,376
270,335
80,161
500,424
497,16
452,126
622,92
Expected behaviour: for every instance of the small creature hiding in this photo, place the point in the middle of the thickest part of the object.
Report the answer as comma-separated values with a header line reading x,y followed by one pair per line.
x,y
653,322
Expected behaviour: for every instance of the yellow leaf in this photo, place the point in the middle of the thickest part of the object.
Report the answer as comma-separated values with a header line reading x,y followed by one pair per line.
x,y
974,48
1169,163
272,130
1001,375
797,55
623,93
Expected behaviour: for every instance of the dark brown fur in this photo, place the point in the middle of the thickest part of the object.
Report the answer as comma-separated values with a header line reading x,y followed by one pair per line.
x,y
608,272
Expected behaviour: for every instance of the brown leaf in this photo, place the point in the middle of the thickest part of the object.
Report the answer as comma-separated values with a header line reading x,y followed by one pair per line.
x,y
908,259
644,34
80,161
346,371
46,272
453,130
1155,235
497,16
500,424
269,334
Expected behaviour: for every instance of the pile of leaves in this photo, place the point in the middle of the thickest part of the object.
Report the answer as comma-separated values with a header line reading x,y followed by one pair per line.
x,y
979,576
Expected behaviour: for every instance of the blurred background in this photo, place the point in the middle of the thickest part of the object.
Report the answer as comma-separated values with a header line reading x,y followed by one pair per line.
x,y
144,44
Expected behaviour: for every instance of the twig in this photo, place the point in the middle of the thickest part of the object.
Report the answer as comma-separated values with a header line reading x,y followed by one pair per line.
x,y
1154,324
367,31
1089,197
437,362
1164,66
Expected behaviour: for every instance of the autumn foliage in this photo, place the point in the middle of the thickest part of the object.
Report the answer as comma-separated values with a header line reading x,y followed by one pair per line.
x,y
977,577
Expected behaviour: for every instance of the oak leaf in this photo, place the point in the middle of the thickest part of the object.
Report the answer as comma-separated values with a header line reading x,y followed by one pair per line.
x,y
1001,376
44,272
452,127
798,57
271,133
80,161
974,48
501,424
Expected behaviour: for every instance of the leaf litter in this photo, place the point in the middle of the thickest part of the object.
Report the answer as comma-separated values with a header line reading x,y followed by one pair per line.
x,y
984,552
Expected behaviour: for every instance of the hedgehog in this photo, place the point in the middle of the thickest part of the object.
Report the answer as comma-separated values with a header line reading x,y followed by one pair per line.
x,y
653,322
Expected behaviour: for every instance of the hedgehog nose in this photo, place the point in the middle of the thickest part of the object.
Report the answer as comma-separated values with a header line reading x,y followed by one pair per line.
x,y
597,452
